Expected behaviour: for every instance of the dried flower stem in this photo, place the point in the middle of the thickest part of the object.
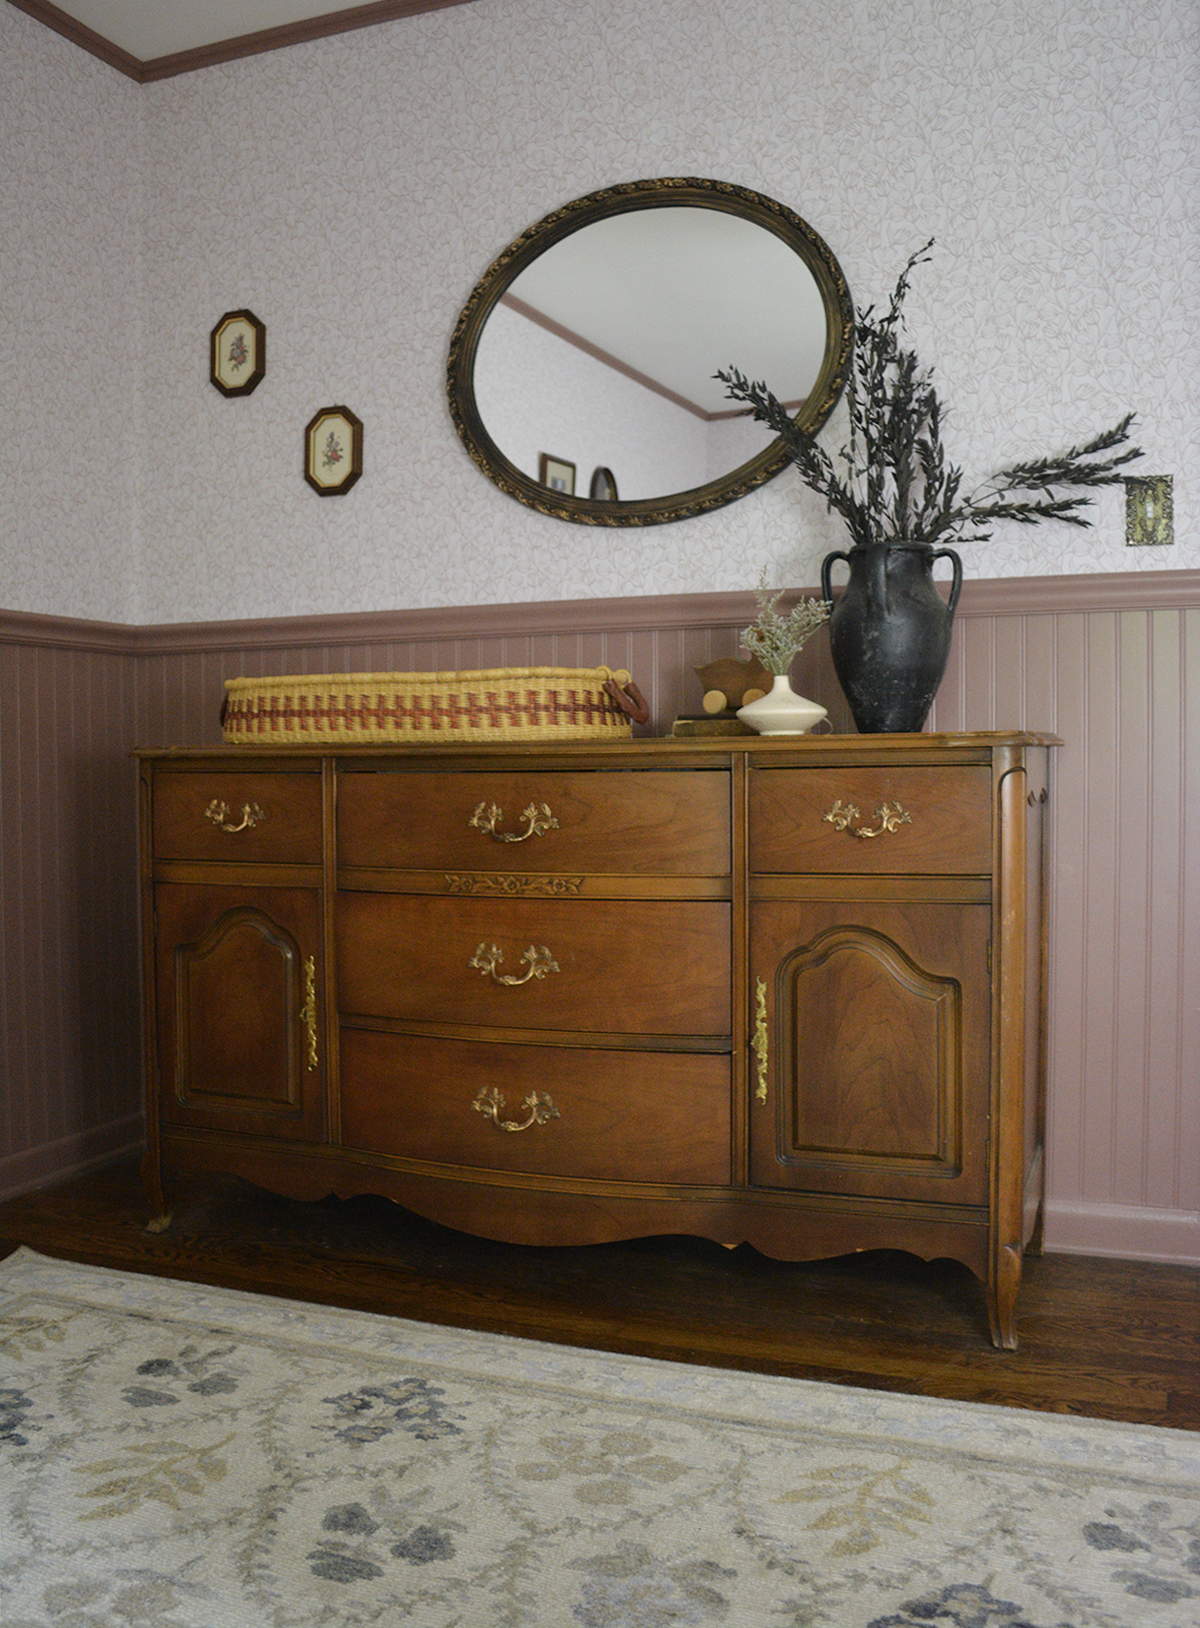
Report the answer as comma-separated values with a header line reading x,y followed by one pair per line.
x,y
895,484
777,640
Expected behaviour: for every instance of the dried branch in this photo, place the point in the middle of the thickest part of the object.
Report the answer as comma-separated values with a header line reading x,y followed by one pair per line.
x,y
893,481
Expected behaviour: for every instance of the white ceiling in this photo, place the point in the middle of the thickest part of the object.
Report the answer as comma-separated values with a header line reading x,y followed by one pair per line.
x,y
147,29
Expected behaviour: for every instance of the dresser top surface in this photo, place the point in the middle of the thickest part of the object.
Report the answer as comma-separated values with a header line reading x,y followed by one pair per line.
x,y
659,752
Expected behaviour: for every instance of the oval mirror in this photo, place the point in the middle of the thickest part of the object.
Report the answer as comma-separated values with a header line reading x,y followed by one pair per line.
x,y
582,364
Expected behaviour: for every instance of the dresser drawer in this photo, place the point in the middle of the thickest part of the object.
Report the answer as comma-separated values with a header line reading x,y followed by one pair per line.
x,y
257,818
611,822
652,967
872,819
599,1115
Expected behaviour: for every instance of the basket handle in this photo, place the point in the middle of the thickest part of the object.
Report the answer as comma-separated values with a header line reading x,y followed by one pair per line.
x,y
630,700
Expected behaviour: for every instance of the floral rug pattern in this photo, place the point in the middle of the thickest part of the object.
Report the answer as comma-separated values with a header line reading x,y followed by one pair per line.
x,y
174,1456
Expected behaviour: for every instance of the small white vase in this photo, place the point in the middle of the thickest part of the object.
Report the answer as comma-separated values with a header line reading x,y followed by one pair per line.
x,y
781,711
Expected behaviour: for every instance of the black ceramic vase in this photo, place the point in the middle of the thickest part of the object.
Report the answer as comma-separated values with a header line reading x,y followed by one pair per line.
x,y
889,632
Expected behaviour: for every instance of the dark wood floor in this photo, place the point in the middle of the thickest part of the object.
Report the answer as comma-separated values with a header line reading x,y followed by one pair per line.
x,y
1111,1339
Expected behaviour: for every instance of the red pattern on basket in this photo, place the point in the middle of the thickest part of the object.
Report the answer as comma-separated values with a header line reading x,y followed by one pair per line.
x,y
346,712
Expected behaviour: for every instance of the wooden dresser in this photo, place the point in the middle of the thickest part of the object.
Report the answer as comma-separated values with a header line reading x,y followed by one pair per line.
x,y
787,992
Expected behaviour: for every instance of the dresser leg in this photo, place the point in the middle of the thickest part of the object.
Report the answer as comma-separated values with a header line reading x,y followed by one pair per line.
x,y
159,1215
1037,1240
1002,1297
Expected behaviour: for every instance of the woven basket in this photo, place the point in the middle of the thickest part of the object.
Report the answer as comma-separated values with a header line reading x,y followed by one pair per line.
x,y
375,709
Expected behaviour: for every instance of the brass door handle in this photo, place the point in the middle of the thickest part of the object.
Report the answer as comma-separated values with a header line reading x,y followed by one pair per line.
x,y
308,1012
219,813
537,817
539,1109
759,1041
537,961
889,815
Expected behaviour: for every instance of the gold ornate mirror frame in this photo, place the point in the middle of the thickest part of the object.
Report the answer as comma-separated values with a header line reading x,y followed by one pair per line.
x,y
628,197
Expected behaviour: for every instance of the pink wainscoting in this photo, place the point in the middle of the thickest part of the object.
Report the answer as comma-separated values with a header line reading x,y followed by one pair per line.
x,y
69,1046
1110,663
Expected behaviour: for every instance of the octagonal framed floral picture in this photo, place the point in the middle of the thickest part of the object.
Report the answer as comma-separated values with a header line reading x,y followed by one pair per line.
x,y
238,353
333,451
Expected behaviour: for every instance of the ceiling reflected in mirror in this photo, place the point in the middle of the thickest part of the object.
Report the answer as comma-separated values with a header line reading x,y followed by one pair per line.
x,y
590,345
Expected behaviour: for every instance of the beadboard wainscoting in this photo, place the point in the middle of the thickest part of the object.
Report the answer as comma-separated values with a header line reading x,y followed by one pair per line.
x,y
1112,665
70,1064
1109,662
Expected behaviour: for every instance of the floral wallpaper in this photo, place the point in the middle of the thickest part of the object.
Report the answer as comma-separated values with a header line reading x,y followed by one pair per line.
x,y
350,191
72,451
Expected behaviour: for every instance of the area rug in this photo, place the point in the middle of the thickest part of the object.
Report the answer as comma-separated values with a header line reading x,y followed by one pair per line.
x,y
176,1456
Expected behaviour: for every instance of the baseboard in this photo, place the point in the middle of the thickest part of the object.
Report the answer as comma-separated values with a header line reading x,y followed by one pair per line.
x,y
1123,1232
54,1162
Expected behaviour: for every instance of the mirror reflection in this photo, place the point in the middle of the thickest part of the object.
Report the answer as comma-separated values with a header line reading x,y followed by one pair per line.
x,y
591,346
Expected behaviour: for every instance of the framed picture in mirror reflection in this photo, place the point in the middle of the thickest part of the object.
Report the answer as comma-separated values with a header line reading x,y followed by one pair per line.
x,y
556,473
604,486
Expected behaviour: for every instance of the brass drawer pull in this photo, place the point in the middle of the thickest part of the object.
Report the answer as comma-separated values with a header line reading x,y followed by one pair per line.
x,y
308,1012
759,1041
219,812
537,1105
537,817
889,815
537,960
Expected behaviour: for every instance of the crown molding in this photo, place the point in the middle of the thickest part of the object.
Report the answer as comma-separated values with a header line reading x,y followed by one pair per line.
x,y
244,45
80,35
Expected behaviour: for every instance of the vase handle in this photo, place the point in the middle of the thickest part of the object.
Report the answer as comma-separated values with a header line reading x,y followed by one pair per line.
x,y
825,565
956,582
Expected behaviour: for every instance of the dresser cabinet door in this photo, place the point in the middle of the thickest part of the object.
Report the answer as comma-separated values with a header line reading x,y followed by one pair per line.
x,y
240,1033
871,1057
